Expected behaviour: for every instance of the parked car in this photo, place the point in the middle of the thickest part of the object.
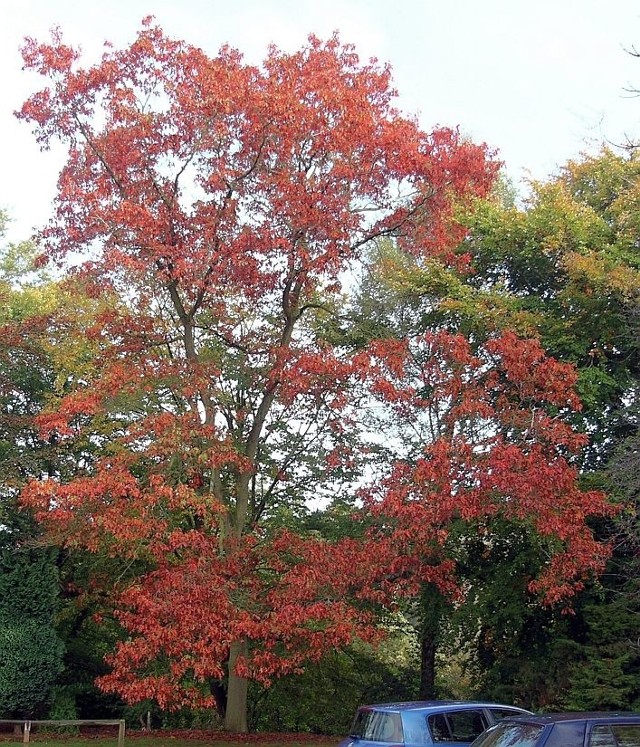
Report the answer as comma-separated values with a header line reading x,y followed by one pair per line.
x,y
424,723
565,730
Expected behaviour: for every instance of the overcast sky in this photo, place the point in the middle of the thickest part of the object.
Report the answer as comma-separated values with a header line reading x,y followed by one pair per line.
x,y
539,80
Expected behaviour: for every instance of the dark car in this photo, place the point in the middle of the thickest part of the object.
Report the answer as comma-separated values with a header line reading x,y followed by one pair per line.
x,y
565,730
424,723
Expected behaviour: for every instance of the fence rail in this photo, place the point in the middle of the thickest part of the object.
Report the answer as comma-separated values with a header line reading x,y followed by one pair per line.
x,y
26,725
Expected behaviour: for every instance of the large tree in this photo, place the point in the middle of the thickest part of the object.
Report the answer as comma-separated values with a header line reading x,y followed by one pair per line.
x,y
224,205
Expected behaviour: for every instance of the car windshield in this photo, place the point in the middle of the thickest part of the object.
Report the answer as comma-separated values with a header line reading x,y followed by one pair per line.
x,y
377,726
509,735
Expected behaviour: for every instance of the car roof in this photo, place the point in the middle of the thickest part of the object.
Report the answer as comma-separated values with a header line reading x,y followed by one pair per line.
x,y
436,705
553,718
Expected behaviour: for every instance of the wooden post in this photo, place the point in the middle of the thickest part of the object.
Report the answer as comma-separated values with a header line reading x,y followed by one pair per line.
x,y
121,733
26,732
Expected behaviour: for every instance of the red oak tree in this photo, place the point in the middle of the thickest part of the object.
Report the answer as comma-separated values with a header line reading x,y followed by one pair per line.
x,y
493,440
222,205
484,450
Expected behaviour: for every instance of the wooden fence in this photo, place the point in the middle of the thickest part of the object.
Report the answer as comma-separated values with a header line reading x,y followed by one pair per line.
x,y
26,725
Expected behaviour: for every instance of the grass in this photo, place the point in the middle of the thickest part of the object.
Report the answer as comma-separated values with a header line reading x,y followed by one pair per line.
x,y
173,739
218,740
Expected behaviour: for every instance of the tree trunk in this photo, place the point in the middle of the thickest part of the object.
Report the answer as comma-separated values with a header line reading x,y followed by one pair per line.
x,y
235,718
427,667
432,609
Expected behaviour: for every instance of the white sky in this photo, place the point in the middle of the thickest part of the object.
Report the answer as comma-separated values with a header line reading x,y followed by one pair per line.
x,y
540,80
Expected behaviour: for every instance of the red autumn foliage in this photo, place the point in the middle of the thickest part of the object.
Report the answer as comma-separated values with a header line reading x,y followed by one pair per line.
x,y
495,442
222,205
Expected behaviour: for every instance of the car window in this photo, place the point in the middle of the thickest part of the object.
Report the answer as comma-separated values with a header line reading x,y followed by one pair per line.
x,y
619,735
510,735
439,728
457,726
377,726
602,736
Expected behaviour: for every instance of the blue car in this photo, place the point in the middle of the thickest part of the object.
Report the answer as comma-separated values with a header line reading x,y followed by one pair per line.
x,y
586,729
425,723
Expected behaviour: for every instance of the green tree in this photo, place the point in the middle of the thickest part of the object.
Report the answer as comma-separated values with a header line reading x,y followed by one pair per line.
x,y
31,653
30,649
566,265
607,669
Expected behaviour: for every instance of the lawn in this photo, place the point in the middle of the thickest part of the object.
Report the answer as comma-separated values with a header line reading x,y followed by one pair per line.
x,y
173,739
